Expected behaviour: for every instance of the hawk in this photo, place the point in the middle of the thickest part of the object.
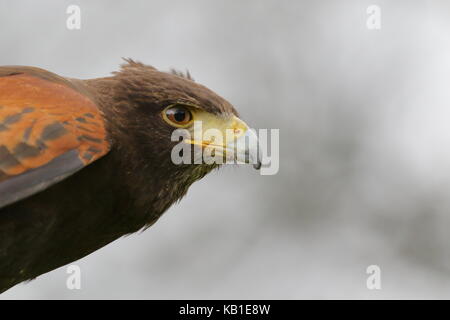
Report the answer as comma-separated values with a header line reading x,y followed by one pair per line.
x,y
84,162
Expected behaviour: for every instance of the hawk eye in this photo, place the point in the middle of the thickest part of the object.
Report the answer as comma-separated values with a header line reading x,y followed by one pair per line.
x,y
178,116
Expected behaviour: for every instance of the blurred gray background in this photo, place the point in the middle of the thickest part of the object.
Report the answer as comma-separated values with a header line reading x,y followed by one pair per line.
x,y
365,145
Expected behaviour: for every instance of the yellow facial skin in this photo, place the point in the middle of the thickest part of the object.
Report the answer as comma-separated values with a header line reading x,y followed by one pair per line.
x,y
220,135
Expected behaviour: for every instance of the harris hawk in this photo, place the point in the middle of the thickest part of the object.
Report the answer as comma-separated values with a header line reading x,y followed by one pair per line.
x,y
84,162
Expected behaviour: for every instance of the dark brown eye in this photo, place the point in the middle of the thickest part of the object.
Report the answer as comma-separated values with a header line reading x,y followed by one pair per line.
x,y
178,116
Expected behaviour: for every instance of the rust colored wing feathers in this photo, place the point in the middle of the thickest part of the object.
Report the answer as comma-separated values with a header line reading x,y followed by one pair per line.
x,y
48,130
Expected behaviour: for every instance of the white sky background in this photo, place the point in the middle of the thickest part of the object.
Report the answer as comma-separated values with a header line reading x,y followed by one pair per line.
x,y
365,158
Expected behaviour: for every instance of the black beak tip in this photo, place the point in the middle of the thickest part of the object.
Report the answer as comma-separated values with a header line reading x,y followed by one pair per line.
x,y
257,165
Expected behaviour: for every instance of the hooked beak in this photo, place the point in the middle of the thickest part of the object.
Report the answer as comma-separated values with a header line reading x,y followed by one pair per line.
x,y
232,140
247,149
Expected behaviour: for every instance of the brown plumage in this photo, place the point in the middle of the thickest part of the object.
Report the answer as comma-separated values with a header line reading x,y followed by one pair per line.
x,y
84,162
